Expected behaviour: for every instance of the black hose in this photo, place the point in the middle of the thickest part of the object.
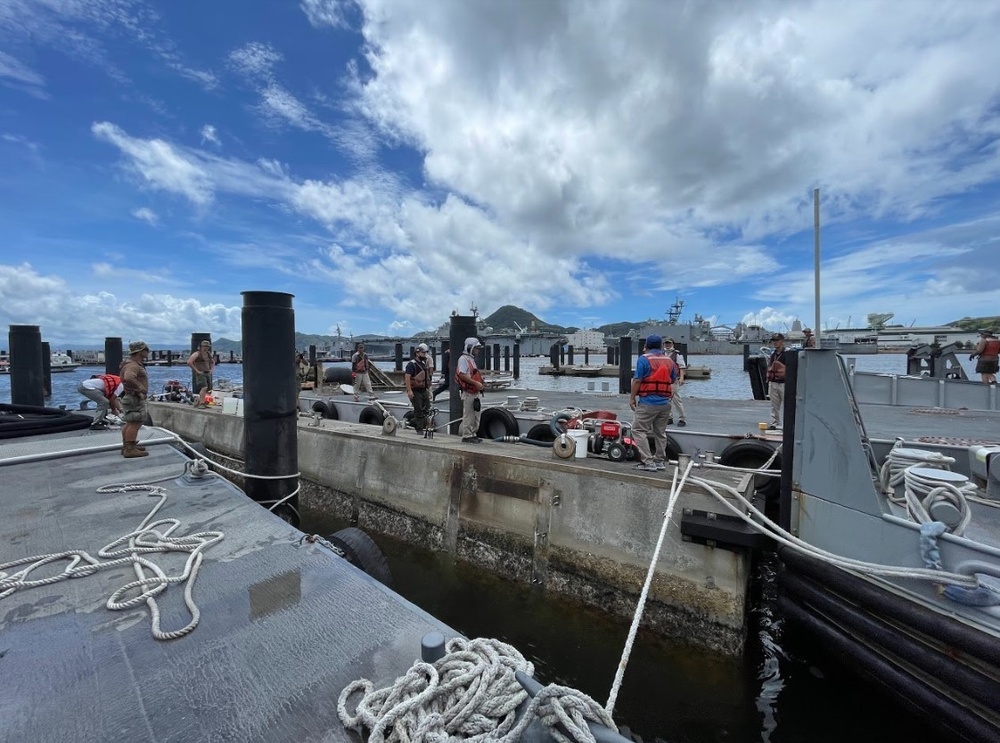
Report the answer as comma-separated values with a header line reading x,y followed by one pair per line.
x,y
17,421
521,440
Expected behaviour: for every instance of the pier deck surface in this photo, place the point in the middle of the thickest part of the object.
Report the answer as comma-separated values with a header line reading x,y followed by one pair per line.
x,y
284,627
726,417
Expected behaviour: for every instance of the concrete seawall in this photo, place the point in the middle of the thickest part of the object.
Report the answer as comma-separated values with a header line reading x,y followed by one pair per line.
x,y
581,527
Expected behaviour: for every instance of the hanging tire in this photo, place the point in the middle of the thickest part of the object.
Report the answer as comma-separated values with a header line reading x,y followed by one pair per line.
x,y
337,375
752,454
361,551
328,409
542,432
673,448
371,416
497,422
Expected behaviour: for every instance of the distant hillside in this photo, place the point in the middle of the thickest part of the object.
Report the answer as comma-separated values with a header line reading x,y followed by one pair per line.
x,y
512,317
977,323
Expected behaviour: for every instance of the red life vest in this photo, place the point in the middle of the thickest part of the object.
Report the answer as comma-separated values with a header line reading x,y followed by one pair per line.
x,y
111,383
992,348
360,366
659,380
473,372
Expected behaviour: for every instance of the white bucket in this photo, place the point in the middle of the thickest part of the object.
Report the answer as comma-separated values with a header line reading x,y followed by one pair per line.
x,y
580,437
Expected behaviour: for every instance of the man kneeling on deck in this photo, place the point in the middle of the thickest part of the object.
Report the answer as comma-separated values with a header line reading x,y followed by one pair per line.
x,y
650,399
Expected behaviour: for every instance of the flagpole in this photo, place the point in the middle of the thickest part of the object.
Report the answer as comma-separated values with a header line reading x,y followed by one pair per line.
x,y
819,328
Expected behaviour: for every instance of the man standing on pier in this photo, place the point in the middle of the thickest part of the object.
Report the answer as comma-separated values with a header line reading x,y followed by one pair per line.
x,y
470,382
776,378
651,391
202,363
135,382
359,367
675,401
988,353
417,378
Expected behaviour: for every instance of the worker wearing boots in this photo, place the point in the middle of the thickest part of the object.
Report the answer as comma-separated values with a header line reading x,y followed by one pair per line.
x,y
136,384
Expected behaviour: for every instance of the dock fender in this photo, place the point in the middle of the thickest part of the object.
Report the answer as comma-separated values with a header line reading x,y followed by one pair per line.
x,y
361,551
542,432
752,454
328,409
496,422
337,375
673,448
371,416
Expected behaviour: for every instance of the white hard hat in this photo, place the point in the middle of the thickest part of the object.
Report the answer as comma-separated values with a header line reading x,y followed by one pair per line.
x,y
423,347
471,343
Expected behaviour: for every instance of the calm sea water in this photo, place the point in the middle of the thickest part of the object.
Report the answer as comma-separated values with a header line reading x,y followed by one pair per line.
x,y
783,689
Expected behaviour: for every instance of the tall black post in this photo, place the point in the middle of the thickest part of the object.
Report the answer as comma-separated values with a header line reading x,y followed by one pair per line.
x,y
625,365
270,417
112,355
26,383
496,356
46,369
517,361
611,354
399,357
196,339
506,358
569,355
554,356
462,327
586,356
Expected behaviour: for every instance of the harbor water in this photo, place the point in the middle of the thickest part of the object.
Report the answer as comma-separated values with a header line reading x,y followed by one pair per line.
x,y
784,688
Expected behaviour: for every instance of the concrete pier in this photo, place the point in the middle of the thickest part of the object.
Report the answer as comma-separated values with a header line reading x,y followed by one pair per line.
x,y
581,527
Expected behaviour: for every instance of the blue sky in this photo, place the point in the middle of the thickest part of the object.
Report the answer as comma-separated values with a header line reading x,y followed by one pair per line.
x,y
390,161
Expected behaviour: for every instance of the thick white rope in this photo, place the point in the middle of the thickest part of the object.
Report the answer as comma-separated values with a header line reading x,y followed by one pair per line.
x,y
766,526
128,549
472,695
675,490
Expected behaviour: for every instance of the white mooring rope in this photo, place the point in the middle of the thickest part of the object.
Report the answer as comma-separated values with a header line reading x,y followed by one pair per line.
x,y
472,695
128,549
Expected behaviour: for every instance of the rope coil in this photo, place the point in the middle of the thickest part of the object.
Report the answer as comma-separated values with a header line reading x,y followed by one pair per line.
x,y
470,694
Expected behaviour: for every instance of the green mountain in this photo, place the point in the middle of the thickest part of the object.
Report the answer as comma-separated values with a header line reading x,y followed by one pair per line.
x,y
977,323
513,317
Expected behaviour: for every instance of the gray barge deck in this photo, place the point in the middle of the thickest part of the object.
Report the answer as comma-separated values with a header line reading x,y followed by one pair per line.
x,y
284,627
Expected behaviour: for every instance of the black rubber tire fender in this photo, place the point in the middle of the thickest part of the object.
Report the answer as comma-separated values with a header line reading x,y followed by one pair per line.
x,y
328,409
338,375
752,454
673,448
371,416
542,432
497,422
361,551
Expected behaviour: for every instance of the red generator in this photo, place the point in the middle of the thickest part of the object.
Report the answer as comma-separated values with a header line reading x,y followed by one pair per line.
x,y
614,440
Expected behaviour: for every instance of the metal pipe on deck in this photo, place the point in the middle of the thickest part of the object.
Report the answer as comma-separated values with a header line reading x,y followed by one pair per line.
x,y
112,355
462,327
270,389
26,383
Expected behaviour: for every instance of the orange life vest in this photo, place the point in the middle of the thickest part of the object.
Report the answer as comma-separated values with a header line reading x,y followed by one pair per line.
x,y
111,383
473,372
659,380
992,348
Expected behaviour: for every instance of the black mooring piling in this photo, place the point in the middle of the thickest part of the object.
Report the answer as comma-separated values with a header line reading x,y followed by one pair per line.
x,y
462,327
270,390
26,383
112,355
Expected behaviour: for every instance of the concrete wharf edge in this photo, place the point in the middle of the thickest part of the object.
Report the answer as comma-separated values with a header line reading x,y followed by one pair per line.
x,y
585,528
